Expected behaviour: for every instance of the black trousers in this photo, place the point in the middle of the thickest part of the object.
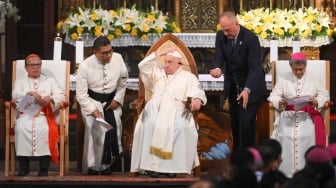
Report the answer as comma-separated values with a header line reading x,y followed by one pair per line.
x,y
243,121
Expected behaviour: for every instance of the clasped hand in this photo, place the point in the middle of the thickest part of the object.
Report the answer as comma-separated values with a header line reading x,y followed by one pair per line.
x,y
195,105
42,101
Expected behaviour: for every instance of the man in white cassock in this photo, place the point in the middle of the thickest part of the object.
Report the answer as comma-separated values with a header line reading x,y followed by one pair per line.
x,y
100,90
36,135
298,129
165,136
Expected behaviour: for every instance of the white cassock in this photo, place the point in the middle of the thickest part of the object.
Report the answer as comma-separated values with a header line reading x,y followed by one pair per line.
x,y
295,130
165,136
104,79
31,133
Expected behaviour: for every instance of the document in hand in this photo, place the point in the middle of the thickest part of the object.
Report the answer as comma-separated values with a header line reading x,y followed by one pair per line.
x,y
106,126
299,102
29,106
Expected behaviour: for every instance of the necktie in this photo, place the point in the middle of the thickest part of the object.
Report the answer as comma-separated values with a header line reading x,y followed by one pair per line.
x,y
233,43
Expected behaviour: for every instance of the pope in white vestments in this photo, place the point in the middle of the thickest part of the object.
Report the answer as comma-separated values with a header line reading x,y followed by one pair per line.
x,y
298,130
100,90
32,132
165,136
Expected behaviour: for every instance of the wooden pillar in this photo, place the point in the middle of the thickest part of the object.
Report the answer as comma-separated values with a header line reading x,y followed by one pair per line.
x,y
2,107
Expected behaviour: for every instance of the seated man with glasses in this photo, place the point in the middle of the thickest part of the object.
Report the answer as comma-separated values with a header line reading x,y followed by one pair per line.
x,y
100,89
36,134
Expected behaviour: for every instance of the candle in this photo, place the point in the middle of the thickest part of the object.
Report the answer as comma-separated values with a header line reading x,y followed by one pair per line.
x,y
79,50
296,46
58,48
156,4
241,5
274,50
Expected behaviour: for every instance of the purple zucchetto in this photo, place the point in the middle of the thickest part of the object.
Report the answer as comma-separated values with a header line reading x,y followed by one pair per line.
x,y
332,150
298,56
318,155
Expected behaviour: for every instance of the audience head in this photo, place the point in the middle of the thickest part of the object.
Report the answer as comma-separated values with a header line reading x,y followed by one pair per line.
x,y
258,162
332,152
102,49
172,62
33,65
241,157
229,24
272,179
298,64
270,150
318,165
317,154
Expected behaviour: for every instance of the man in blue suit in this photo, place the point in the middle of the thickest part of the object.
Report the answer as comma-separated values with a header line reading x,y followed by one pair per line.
x,y
238,53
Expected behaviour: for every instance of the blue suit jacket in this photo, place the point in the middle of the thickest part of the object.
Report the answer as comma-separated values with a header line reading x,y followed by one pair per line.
x,y
241,64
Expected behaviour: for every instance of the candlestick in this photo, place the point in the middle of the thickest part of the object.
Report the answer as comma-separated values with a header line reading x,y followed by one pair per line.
x,y
241,5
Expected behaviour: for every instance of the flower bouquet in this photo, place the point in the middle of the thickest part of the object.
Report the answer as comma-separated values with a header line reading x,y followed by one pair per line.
x,y
302,23
7,10
113,23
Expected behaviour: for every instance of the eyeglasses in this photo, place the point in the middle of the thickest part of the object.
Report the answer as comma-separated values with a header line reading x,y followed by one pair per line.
x,y
35,65
106,53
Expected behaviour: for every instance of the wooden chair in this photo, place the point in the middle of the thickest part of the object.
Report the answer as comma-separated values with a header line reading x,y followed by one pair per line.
x,y
167,41
60,70
322,69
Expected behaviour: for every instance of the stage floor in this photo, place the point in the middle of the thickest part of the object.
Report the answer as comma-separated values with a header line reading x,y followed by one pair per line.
x,y
75,178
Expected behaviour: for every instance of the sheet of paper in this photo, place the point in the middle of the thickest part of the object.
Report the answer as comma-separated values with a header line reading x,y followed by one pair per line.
x,y
104,124
299,102
28,105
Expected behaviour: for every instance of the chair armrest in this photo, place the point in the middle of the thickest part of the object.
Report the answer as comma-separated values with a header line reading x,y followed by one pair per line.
x,y
328,104
10,104
64,104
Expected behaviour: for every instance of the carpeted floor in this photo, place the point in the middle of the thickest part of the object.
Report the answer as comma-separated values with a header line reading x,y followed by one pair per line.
x,y
75,178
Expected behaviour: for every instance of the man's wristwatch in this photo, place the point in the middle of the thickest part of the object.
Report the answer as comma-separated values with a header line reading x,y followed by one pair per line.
x,y
248,90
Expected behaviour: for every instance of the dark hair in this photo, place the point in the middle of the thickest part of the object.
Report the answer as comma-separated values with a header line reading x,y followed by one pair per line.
x,y
297,61
269,149
241,157
271,178
101,41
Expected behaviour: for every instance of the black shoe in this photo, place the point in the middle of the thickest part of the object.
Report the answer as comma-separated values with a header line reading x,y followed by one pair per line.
x,y
43,173
92,172
171,175
107,171
22,173
153,174
24,166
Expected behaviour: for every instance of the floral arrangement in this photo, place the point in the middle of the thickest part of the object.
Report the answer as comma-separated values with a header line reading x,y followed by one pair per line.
x,y
7,10
113,23
302,23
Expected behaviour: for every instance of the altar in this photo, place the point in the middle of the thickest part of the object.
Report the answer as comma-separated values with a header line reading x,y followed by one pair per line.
x,y
197,40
